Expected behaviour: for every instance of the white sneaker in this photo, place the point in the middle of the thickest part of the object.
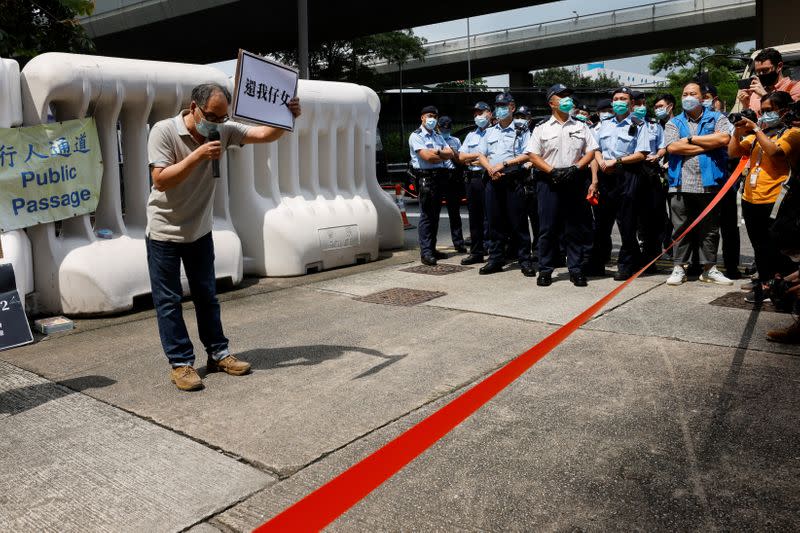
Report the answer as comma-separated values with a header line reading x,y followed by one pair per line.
x,y
677,277
713,275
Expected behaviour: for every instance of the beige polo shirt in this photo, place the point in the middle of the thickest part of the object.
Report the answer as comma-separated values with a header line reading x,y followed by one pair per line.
x,y
184,212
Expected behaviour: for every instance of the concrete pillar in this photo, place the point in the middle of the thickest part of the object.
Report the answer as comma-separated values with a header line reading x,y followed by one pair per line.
x,y
777,22
520,78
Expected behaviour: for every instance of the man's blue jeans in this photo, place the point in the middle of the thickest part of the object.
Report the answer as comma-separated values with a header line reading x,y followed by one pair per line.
x,y
164,262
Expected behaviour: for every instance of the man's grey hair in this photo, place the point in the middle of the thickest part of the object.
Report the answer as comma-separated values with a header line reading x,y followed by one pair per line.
x,y
203,92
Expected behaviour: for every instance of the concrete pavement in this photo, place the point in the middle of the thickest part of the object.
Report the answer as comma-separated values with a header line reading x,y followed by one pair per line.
x,y
664,412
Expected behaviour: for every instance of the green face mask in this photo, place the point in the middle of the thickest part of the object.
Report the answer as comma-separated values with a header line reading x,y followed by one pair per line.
x,y
566,104
619,107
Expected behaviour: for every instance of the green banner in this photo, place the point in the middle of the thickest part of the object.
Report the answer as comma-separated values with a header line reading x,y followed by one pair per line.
x,y
48,172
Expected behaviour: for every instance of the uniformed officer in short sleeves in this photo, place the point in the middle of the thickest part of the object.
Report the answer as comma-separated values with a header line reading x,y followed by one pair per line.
x,y
454,186
623,145
562,149
503,161
474,180
429,151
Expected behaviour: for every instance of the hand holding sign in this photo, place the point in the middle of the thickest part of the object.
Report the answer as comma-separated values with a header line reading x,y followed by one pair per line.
x,y
265,92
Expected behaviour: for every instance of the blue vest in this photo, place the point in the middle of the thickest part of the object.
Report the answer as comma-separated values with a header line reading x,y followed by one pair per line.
x,y
713,164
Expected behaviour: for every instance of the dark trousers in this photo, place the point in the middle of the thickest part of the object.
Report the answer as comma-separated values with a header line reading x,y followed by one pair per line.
x,y
684,209
768,257
565,217
505,215
477,213
453,192
618,202
430,205
729,229
653,213
164,262
532,213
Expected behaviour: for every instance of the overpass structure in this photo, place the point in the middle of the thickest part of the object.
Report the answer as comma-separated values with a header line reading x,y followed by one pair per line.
x,y
666,25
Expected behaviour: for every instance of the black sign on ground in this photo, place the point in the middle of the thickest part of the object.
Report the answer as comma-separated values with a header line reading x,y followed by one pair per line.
x,y
14,327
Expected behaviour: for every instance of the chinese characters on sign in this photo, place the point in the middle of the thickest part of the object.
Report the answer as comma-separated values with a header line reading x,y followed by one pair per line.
x,y
263,90
48,172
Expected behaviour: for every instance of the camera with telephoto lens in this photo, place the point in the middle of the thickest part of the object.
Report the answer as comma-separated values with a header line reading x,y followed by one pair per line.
x,y
779,293
749,114
792,117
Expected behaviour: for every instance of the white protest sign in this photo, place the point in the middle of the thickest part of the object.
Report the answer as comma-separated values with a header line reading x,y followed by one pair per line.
x,y
263,88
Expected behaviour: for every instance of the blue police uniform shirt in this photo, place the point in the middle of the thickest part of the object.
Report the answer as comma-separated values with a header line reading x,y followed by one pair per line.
x,y
656,136
614,141
502,144
475,143
455,144
422,139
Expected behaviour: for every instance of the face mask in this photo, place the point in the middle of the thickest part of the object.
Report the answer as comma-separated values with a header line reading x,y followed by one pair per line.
x,y
769,119
640,111
446,134
662,113
481,121
690,103
619,107
430,123
501,112
708,103
768,79
205,127
565,105
606,115
582,118
520,123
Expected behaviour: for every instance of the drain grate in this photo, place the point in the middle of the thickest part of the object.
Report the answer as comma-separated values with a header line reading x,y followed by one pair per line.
x,y
736,300
400,296
442,269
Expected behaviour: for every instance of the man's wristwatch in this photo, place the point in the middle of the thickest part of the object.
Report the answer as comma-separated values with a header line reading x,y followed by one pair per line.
x,y
689,139
618,162
439,152
505,164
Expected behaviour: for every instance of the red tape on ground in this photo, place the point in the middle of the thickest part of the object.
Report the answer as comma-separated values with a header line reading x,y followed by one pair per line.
x,y
331,500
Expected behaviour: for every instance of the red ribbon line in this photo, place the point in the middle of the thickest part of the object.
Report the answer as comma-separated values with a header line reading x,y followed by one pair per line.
x,y
328,502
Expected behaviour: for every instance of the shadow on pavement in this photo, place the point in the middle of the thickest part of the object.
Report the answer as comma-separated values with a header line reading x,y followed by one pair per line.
x,y
272,358
16,401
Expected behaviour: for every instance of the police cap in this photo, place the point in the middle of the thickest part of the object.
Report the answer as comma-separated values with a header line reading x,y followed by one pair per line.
x,y
707,88
637,95
429,109
504,99
622,90
558,89
445,122
603,104
523,110
482,106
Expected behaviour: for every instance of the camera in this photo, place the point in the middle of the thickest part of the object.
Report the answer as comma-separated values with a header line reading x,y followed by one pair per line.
x,y
792,117
749,114
779,293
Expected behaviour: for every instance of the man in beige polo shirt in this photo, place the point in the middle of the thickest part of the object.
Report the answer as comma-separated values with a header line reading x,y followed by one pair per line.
x,y
179,220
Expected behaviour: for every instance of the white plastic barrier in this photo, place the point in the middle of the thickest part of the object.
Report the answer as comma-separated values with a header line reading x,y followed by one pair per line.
x,y
16,245
311,201
75,272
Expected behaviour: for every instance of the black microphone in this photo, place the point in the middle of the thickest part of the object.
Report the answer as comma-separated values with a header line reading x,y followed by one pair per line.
x,y
213,135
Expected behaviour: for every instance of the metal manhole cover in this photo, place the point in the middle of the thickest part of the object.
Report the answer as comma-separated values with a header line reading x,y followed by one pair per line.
x,y
736,300
400,296
442,269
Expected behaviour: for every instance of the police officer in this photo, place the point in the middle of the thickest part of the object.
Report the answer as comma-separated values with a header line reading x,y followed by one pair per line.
x,y
522,123
583,114
454,186
503,160
474,181
562,149
623,145
429,151
604,112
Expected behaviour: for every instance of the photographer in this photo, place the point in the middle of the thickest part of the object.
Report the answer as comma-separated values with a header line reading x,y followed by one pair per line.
x,y
179,222
768,66
772,148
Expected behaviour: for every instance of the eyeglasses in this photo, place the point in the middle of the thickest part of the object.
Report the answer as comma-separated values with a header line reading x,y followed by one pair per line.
x,y
211,117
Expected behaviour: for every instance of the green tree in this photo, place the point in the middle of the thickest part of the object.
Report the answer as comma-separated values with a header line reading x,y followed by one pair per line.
x,y
683,66
571,78
31,27
478,84
349,60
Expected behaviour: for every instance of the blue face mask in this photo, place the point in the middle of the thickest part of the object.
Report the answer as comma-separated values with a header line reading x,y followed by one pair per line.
x,y
446,134
205,127
690,103
708,103
605,115
501,112
769,119
662,113
619,107
430,123
640,111
481,121
566,104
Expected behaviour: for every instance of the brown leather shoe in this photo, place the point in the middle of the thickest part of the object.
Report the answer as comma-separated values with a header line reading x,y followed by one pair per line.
x,y
790,335
186,378
229,365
